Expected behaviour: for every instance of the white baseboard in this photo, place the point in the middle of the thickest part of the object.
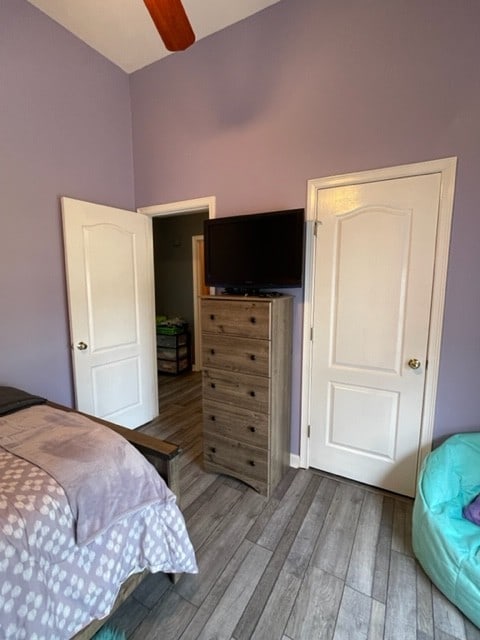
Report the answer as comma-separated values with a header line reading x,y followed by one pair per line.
x,y
294,461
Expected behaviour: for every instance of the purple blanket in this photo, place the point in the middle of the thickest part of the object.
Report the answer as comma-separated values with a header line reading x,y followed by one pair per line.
x,y
103,476
472,511
50,586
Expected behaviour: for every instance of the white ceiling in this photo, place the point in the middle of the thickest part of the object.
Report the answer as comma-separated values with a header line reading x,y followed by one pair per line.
x,y
123,32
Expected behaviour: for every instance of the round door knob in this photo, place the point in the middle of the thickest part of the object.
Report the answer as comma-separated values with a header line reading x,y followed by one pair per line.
x,y
413,363
81,346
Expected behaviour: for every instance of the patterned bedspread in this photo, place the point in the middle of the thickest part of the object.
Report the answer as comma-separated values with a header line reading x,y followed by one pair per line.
x,y
51,587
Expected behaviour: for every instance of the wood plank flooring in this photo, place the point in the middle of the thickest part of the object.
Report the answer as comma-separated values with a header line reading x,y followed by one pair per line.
x,y
323,558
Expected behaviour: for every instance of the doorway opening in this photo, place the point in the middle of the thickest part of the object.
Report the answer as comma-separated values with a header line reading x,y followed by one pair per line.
x,y
178,267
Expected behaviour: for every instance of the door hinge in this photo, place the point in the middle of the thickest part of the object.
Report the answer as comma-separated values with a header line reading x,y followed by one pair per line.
x,y
311,334
308,431
317,224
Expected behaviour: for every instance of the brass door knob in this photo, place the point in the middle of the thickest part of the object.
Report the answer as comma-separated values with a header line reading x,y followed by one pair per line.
x,y
413,363
81,346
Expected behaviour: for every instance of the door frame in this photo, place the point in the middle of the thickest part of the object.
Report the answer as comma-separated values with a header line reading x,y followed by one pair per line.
x,y
197,258
185,207
447,168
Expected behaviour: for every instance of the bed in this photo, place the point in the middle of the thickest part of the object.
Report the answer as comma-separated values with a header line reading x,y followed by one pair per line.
x,y
83,516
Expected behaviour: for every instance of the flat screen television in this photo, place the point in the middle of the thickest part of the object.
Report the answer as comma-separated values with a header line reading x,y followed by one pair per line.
x,y
247,254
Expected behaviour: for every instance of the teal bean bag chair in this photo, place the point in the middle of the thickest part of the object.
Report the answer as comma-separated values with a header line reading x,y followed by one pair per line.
x,y
445,538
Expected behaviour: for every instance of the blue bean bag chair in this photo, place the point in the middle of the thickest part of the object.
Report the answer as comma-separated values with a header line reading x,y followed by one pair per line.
x,y
445,541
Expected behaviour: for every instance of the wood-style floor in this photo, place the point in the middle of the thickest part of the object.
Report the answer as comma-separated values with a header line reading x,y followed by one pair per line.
x,y
323,558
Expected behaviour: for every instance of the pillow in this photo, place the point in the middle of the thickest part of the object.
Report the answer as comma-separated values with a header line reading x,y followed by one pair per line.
x,y
472,511
12,399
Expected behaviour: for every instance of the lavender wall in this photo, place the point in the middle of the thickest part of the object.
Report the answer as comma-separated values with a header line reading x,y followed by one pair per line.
x,y
305,89
65,129
312,88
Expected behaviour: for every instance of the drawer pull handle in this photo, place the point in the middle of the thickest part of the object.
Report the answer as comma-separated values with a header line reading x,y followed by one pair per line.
x,y
213,449
212,351
212,317
212,418
213,385
253,320
251,463
253,357
252,394
252,429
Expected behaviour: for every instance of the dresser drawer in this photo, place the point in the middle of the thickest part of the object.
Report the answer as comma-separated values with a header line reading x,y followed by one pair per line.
x,y
235,422
172,366
239,389
172,341
172,354
236,354
235,458
236,318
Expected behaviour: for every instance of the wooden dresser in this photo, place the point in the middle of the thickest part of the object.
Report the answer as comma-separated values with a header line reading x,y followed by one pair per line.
x,y
247,353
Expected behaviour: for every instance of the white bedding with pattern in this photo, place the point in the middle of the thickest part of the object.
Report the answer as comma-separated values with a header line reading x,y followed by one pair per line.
x,y
50,586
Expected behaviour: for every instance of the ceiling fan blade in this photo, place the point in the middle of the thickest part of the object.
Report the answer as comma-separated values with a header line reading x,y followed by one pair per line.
x,y
172,23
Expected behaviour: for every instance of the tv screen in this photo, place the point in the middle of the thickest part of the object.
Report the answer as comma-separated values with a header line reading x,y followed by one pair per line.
x,y
248,253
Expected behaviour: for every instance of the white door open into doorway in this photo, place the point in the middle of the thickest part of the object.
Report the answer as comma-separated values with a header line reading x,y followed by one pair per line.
x,y
111,297
376,269
109,268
